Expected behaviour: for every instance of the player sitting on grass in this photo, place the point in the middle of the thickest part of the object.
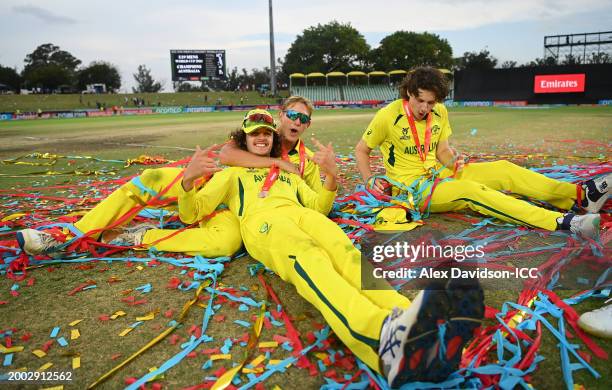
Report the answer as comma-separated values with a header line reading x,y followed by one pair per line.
x,y
413,132
215,236
283,225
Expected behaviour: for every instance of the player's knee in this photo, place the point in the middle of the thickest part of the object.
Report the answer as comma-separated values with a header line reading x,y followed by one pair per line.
x,y
225,241
151,176
503,166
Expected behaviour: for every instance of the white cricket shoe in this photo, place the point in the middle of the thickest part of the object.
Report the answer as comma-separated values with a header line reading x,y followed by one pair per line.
x,y
586,225
130,236
35,242
598,322
596,193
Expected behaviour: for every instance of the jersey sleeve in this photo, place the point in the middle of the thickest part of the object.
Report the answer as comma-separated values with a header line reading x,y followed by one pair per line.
x,y
195,205
446,128
376,132
321,201
312,176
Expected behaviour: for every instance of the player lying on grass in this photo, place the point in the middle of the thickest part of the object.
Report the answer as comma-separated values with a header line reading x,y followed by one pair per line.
x,y
283,225
413,134
215,236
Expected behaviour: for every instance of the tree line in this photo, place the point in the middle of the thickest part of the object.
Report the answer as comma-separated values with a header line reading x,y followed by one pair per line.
x,y
48,69
322,48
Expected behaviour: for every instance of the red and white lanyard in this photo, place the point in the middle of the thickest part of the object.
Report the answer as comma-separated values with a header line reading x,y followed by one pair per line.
x,y
415,136
270,179
302,153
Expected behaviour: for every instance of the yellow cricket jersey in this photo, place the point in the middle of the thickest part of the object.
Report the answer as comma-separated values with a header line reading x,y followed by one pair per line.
x,y
312,176
239,188
390,131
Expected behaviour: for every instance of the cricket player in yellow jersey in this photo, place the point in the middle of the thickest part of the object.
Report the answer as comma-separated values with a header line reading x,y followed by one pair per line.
x,y
413,135
283,225
215,236
295,116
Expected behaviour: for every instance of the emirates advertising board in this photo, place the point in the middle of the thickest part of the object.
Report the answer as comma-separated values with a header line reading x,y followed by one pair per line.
x,y
559,83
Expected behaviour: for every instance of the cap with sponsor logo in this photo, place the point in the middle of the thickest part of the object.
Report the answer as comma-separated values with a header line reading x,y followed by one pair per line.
x,y
257,119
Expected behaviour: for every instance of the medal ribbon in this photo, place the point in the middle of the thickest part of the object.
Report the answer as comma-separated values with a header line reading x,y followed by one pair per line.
x,y
302,153
270,179
415,136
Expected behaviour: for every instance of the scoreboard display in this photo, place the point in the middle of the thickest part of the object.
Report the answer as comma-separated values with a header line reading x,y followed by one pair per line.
x,y
196,65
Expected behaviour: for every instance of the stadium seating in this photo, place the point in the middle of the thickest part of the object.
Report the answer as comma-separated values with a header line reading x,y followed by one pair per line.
x,y
315,93
347,92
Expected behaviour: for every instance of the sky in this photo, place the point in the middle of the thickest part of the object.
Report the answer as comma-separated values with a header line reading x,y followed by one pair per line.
x,y
134,32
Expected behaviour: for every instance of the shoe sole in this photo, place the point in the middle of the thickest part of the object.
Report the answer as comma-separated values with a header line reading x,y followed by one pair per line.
x,y
466,298
422,336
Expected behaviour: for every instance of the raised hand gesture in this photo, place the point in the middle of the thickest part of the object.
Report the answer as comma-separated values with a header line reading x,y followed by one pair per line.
x,y
203,164
325,158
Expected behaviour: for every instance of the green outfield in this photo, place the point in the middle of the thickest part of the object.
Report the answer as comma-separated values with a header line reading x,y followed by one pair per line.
x,y
33,102
531,137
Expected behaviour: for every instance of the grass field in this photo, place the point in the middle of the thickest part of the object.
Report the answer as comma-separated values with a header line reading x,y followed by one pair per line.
x,y
31,103
531,137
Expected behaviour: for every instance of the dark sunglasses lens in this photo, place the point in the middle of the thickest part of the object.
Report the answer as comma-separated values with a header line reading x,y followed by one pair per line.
x,y
293,115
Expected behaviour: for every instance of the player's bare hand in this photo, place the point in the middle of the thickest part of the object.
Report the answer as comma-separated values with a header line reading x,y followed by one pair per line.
x,y
203,163
325,158
380,186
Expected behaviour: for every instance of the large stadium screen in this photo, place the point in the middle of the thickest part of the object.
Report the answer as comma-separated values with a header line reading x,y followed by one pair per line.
x,y
196,65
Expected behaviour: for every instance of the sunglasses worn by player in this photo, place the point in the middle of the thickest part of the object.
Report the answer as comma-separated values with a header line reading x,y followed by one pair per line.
x,y
293,115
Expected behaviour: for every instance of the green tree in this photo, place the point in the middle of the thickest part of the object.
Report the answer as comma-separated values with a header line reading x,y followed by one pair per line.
x,y
480,60
571,60
599,58
508,64
48,67
144,81
547,61
325,48
406,49
10,78
99,72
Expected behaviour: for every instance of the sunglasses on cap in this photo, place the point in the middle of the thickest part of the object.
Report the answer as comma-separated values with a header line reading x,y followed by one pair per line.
x,y
259,118
293,115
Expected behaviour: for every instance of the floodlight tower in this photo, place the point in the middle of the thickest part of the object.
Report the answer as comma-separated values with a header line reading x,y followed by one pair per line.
x,y
272,56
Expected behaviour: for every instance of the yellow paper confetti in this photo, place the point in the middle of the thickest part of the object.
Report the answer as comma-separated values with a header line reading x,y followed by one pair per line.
x,y
60,387
257,361
76,362
125,331
45,366
320,355
226,356
74,334
6,350
117,314
39,353
147,317
12,216
157,377
274,362
73,323
258,370
139,267
277,387
268,344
